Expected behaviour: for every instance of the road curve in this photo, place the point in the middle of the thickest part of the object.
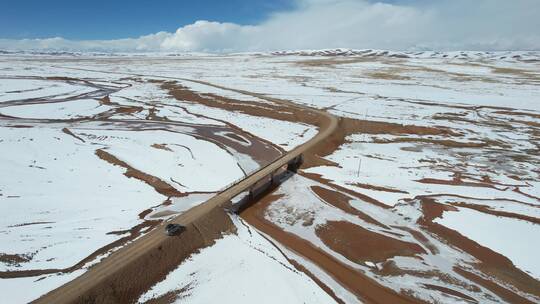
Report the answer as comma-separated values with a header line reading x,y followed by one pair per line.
x,y
71,291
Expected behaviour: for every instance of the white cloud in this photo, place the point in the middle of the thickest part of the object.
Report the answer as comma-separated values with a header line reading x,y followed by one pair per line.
x,y
314,24
212,36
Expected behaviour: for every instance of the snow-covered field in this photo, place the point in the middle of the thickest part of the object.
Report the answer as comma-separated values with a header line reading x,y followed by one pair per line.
x,y
514,241
238,268
434,169
91,161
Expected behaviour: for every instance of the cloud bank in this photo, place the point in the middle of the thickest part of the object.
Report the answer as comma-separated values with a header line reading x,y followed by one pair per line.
x,y
489,25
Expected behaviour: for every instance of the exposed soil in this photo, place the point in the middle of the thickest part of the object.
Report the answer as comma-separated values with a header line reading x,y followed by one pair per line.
x,y
432,210
162,147
172,296
134,232
390,269
377,188
303,269
486,209
329,62
124,275
450,292
277,109
359,245
349,126
68,132
356,282
159,185
351,246
491,262
446,142
389,74
360,196
341,201
236,137
504,293
14,259
126,284
455,181
518,113
420,238
253,108
356,243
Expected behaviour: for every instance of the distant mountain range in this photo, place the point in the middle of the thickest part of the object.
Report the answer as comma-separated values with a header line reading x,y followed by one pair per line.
x,y
523,56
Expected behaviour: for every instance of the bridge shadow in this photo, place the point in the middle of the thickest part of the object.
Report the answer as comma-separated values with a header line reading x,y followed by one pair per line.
x,y
247,199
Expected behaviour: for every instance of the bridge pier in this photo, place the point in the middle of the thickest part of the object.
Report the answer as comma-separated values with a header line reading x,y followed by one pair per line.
x,y
295,163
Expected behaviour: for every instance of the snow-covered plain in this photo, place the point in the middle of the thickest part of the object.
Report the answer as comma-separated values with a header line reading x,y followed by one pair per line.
x,y
514,241
241,268
21,89
488,104
91,160
477,156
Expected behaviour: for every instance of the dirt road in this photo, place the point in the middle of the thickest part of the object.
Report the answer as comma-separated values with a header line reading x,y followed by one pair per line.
x,y
133,253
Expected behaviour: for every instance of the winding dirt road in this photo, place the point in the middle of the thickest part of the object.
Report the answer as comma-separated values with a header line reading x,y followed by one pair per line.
x,y
79,289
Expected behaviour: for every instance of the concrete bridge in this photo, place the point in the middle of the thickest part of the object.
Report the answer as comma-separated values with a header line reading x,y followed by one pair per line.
x,y
134,268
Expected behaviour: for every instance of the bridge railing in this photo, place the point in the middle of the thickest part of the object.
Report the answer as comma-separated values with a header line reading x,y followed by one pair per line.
x,y
237,181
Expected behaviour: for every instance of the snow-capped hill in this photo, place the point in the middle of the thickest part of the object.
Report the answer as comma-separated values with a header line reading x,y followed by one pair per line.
x,y
525,56
323,52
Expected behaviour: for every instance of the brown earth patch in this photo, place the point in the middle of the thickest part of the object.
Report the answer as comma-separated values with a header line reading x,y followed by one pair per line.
x,y
515,72
172,296
349,126
134,232
14,259
68,132
358,244
389,74
162,147
432,210
518,113
389,268
126,284
19,126
446,142
360,196
491,262
377,188
236,137
303,269
412,149
253,108
451,292
287,111
341,201
420,238
159,185
363,287
106,100
127,109
488,210
452,182
458,180
261,150
518,190
328,62
504,293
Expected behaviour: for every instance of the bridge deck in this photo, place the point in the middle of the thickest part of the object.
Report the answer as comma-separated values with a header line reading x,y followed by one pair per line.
x,y
130,253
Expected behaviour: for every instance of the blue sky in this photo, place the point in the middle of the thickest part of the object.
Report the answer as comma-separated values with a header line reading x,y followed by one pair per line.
x,y
223,26
102,19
